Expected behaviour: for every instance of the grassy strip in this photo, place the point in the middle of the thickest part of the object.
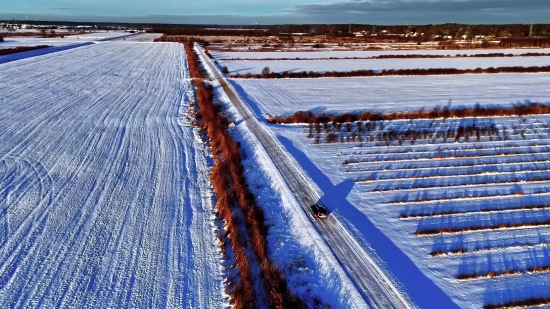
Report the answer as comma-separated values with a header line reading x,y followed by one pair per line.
x,y
469,183
436,113
492,274
443,199
407,56
392,72
499,226
461,250
19,49
483,210
232,190
526,303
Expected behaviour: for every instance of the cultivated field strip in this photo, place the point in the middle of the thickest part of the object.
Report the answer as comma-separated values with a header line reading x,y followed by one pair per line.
x,y
472,209
372,281
104,202
284,97
255,66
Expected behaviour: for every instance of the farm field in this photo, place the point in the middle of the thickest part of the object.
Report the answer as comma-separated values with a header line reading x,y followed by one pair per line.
x,y
364,54
320,66
105,199
466,199
283,97
67,40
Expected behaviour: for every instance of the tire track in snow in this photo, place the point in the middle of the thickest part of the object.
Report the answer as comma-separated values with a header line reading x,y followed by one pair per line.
x,y
102,120
369,278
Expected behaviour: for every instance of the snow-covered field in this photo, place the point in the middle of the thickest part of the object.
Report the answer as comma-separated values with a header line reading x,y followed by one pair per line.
x,y
67,40
334,95
490,191
497,183
320,66
104,192
364,54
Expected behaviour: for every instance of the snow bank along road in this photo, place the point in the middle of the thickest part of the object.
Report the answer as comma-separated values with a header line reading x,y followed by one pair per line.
x,y
104,198
365,273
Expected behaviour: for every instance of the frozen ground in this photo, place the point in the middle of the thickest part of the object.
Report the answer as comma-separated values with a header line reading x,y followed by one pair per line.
x,y
144,37
311,270
320,66
351,54
436,184
68,40
391,93
495,183
104,192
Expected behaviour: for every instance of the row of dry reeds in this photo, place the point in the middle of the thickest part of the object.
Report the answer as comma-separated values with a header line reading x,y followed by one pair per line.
x,y
398,72
234,196
19,49
436,113
407,56
525,303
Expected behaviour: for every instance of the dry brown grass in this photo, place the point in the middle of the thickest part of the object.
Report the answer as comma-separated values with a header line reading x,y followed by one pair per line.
x,y
392,72
436,113
232,191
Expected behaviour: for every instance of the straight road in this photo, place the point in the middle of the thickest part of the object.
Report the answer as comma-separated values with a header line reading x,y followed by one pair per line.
x,y
371,281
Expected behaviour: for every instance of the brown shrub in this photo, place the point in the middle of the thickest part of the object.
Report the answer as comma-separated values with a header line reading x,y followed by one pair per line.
x,y
231,188
436,113
7,51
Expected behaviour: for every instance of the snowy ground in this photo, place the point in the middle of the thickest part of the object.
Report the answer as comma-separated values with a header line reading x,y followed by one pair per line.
x,y
320,66
334,95
471,179
433,183
311,270
68,40
364,54
104,191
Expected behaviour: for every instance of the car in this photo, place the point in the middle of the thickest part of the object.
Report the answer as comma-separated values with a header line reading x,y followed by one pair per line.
x,y
319,210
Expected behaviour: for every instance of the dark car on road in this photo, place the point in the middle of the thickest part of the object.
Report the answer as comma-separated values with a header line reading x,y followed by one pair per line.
x,y
319,210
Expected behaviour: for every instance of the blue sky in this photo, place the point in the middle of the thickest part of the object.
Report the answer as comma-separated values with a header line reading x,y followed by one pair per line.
x,y
282,11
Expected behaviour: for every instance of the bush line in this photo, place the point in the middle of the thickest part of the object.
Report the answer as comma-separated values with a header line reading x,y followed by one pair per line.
x,y
232,190
478,111
392,72
531,302
499,226
407,56
8,51
483,210
492,274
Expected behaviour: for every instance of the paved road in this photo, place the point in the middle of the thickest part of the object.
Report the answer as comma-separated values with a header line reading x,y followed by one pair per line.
x,y
362,269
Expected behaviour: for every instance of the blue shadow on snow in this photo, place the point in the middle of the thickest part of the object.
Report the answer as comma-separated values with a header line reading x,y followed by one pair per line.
x,y
423,291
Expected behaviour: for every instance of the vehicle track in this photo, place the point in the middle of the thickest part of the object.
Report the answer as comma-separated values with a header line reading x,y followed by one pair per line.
x,y
370,280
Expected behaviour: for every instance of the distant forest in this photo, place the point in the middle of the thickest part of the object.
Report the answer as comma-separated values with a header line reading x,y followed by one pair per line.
x,y
454,30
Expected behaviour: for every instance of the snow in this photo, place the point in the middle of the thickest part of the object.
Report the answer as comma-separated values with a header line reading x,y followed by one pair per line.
x,y
392,93
364,54
279,66
311,270
477,180
105,199
517,248
67,40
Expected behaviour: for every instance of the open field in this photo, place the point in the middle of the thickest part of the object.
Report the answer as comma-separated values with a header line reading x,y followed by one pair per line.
x,y
465,199
72,39
104,198
392,93
471,212
365,54
320,66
